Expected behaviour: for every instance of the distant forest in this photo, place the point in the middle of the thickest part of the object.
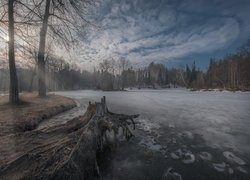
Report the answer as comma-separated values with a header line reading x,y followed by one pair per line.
x,y
231,72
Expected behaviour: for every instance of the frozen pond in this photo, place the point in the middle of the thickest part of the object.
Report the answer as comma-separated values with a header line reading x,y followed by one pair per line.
x,y
181,134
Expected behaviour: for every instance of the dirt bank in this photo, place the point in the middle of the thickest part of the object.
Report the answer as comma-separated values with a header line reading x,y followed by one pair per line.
x,y
32,111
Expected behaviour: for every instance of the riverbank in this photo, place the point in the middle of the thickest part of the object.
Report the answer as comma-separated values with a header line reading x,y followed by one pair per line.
x,y
66,150
22,146
32,111
221,89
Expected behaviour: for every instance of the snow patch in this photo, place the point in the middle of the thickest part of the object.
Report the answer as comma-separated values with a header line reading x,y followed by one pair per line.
x,y
230,171
186,157
174,156
219,166
171,174
171,126
187,134
231,157
152,145
148,126
174,140
241,169
126,164
205,156
189,158
177,154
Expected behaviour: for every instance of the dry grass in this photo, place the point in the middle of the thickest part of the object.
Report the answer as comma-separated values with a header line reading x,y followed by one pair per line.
x,y
28,114
30,154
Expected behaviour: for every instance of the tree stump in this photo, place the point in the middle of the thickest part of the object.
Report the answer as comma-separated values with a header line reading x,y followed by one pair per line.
x,y
67,151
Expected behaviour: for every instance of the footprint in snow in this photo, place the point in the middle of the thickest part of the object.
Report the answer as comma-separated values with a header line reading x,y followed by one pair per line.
x,y
241,169
231,157
205,156
185,157
219,166
171,174
223,167
187,134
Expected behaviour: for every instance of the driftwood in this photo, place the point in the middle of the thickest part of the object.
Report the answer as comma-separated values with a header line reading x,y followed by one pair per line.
x,y
67,151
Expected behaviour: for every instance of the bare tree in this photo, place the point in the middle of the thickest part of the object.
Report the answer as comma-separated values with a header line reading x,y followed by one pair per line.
x,y
41,51
106,66
62,17
13,91
59,19
9,18
123,65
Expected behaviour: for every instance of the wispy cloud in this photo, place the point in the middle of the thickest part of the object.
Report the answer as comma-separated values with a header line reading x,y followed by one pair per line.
x,y
144,31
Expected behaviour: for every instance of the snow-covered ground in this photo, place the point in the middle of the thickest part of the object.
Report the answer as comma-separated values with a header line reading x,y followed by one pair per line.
x,y
187,134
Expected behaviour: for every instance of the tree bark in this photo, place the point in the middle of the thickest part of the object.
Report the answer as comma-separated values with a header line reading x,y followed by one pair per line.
x,y
32,79
41,52
13,91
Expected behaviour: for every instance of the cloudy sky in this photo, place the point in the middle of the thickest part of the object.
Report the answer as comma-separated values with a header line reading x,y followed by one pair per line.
x,y
173,32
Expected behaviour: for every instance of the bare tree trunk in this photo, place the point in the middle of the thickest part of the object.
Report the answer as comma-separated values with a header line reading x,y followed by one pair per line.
x,y
41,52
32,78
13,91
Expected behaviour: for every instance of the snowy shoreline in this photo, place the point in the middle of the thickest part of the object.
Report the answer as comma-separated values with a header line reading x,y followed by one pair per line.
x,y
188,131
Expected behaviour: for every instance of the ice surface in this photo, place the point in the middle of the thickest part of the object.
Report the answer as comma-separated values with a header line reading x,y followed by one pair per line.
x,y
187,134
231,157
186,156
230,171
241,169
175,156
150,144
219,166
175,118
148,126
171,175
205,156
189,158
64,117
222,118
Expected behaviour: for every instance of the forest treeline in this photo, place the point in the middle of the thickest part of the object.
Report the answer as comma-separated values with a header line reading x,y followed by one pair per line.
x,y
31,30
231,72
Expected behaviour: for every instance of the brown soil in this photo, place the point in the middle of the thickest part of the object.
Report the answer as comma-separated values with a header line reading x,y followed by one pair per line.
x,y
18,135
40,154
30,112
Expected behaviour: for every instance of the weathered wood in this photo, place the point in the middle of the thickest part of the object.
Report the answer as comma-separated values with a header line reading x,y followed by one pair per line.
x,y
67,151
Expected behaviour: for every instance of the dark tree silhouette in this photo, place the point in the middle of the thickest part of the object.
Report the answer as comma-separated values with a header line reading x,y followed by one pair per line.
x,y
13,91
41,51
63,18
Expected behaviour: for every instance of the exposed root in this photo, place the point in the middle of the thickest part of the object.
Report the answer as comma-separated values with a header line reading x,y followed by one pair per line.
x,y
67,151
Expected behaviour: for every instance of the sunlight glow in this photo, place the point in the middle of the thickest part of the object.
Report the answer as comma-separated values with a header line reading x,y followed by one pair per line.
x,y
6,38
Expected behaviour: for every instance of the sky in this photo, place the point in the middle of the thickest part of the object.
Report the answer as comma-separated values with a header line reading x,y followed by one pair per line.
x,y
172,32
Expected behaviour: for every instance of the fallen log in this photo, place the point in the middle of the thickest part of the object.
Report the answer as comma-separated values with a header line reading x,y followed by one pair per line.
x,y
67,151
